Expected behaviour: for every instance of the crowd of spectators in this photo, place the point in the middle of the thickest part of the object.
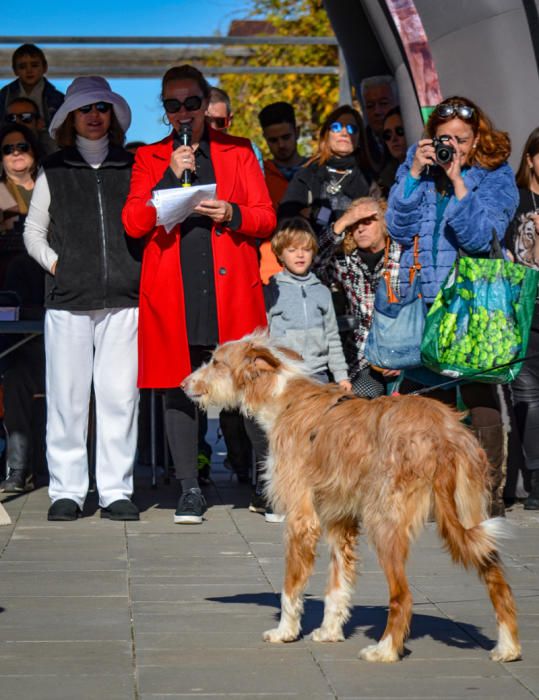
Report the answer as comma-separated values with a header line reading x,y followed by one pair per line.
x,y
290,242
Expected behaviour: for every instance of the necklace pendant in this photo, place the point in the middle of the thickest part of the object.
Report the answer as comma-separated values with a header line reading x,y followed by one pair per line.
x,y
334,188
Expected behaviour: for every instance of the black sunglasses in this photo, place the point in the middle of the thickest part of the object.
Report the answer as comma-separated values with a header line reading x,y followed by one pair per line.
x,y
450,110
387,134
24,117
102,107
191,104
10,148
217,122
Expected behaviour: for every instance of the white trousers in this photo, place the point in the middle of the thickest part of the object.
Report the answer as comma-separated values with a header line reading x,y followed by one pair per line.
x,y
81,346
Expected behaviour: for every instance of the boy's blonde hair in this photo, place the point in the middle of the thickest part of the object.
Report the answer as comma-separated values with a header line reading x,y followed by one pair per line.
x,y
296,229
348,244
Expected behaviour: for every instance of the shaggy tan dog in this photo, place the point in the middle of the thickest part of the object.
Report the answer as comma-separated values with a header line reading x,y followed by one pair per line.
x,y
335,460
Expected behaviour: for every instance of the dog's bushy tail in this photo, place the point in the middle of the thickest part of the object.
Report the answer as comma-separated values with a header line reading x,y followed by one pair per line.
x,y
461,498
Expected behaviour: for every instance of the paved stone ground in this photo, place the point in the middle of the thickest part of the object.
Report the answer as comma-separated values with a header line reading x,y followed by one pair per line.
x,y
155,611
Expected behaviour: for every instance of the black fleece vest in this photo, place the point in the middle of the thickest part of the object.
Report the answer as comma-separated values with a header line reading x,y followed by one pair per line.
x,y
98,264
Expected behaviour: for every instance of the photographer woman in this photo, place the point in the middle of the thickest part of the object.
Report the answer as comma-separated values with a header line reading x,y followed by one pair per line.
x,y
458,204
523,242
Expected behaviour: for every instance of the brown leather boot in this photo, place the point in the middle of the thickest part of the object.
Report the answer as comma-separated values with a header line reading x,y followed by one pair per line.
x,y
493,440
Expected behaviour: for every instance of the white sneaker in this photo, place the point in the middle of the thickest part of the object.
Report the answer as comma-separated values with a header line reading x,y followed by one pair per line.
x,y
271,517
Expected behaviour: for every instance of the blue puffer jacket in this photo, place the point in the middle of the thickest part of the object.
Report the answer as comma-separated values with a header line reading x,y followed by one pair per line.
x,y
468,224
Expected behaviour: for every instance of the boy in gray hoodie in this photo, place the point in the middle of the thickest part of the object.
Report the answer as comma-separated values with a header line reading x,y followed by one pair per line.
x,y
301,316
300,308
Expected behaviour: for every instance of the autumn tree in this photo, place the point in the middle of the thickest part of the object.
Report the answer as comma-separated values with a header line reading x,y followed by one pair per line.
x,y
313,96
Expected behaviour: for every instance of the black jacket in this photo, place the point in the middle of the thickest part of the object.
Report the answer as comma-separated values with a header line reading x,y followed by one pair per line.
x,y
98,264
308,189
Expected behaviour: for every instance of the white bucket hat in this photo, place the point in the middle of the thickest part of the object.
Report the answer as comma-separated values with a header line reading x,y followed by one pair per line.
x,y
86,91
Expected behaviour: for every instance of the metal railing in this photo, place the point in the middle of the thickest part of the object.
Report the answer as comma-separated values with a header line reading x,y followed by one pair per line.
x,y
135,58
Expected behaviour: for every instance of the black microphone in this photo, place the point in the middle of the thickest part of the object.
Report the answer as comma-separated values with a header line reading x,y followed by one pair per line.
x,y
185,140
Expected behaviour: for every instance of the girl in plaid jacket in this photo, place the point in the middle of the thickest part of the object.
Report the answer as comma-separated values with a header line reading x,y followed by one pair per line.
x,y
354,254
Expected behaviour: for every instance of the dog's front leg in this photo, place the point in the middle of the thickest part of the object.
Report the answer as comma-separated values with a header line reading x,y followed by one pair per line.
x,y
302,535
342,539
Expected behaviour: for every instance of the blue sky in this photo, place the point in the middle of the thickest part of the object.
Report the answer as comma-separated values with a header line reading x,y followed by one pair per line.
x,y
109,17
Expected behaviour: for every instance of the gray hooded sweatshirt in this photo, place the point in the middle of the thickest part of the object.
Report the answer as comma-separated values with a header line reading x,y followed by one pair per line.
x,y
301,316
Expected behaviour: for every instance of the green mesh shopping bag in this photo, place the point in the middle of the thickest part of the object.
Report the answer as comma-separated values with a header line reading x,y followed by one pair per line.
x,y
480,319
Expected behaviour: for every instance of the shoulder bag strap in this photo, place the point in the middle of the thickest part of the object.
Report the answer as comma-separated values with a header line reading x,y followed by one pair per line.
x,y
416,267
386,274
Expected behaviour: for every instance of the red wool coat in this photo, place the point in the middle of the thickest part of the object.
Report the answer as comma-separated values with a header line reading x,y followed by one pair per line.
x,y
163,348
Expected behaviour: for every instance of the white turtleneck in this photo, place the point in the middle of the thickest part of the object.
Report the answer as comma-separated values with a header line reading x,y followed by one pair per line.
x,y
37,222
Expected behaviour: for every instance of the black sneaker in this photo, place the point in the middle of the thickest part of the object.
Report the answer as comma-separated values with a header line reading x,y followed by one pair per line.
x,y
258,503
14,483
191,507
63,509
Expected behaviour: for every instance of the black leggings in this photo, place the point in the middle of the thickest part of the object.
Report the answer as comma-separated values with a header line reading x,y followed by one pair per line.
x,y
525,392
181,421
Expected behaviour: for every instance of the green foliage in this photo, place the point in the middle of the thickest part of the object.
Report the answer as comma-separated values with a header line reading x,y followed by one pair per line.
x,y
313,96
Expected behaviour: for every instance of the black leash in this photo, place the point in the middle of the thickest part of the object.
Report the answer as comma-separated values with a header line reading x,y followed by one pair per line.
x,y
458,380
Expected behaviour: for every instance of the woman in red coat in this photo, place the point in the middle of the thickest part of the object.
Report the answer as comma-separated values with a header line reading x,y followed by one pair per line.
x,y
200,283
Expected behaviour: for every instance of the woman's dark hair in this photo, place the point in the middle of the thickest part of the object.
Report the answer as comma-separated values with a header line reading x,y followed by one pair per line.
x,y
28,50
531,149
66,134
324,153
28,137
186,72
493,146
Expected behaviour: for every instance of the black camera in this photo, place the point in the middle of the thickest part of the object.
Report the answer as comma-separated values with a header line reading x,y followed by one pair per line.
x,y
444,151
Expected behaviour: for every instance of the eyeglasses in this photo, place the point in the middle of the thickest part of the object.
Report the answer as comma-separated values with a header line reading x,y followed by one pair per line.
x,y
336,127
102,107
218,122
450,109
10,148
388,134
191,104
24,117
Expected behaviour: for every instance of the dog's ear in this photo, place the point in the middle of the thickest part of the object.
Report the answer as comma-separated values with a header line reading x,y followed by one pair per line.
x,y
258,361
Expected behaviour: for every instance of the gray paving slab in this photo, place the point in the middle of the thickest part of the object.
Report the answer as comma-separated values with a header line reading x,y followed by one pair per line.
x,y
152,610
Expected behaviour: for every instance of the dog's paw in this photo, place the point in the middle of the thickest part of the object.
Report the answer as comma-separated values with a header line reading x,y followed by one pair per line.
x,y
506,653
508,647
324,635
383,652
279,635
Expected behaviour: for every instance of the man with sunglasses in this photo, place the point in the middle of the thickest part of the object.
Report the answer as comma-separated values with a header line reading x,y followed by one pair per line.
x,y
200,283
219,116
23,110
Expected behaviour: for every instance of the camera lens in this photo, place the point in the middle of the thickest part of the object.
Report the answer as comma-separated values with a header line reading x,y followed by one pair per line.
x,y
444,152
444,155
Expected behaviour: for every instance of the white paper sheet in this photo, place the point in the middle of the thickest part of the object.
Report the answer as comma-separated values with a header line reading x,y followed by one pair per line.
x,y
174,205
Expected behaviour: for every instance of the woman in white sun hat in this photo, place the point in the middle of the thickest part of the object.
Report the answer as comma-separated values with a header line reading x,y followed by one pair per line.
x,y
74,230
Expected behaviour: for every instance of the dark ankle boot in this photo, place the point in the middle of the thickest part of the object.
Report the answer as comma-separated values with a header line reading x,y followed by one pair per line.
x,y
492,440
17,464
532,502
